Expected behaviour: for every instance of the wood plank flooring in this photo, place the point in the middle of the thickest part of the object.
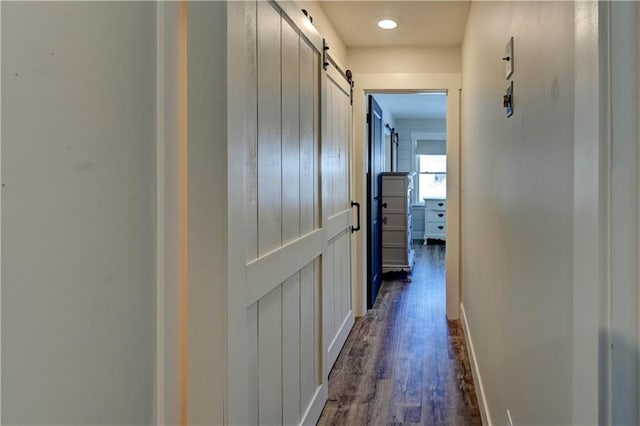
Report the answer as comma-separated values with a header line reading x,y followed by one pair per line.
x,y
404,363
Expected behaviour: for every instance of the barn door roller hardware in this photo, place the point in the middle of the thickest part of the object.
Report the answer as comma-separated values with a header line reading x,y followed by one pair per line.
x,y
328,60
325,57
349,76
306,13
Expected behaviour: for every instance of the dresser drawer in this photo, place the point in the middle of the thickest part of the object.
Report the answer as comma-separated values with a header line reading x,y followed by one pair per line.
x,y
397,204
397,186
394,220
436,205
394,255
436,215
394,238
435,228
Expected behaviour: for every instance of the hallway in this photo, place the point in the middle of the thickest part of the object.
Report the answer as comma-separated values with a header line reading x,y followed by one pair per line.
x,y
404,362
188,206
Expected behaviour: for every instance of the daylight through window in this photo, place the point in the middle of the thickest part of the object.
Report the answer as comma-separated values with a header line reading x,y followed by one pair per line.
x,y
432,171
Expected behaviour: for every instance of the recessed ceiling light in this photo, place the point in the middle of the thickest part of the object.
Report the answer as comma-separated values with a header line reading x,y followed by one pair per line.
x,y
387,24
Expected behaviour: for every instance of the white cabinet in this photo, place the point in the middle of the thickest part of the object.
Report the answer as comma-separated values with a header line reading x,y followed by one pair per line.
x,y
397,250
435,218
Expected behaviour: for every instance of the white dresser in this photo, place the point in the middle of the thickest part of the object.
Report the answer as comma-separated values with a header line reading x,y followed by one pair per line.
x,y
397,249
435,218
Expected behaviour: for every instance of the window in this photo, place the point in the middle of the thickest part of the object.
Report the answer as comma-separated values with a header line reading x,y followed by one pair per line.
x,y
432,177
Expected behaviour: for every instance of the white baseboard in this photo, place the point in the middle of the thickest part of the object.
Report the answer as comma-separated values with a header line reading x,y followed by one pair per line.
x,y
477,377
317,405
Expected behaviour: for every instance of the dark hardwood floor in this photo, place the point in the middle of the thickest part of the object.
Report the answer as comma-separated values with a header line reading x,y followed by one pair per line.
x,y
404,363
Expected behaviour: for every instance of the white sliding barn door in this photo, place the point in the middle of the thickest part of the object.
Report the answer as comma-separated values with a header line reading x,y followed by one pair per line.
x,y
287,252
289,295
338,316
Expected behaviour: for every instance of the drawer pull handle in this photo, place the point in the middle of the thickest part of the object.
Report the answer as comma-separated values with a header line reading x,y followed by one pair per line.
x,y
440,227
384,220
440,214
441,204
384,205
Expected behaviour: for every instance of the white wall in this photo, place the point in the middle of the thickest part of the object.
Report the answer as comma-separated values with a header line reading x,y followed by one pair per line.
x,y
404,59
118,158
406,153
208,212
168,200
517,192
78,213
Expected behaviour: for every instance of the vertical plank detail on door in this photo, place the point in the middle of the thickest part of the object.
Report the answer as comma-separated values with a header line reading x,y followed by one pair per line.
x,y
250,133
291,349
307,140
337,299
344,151
283,376
327,154
317,189
318,345
335,151
253,349
327,286
290,133
269,129
341,279
270,358
348,274
308,365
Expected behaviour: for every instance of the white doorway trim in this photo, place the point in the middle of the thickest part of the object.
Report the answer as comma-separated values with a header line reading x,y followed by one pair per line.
x,y
624,214
606,218
590,216
403,82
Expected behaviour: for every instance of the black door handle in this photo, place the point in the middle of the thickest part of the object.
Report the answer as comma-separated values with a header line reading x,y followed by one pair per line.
x,y
357,228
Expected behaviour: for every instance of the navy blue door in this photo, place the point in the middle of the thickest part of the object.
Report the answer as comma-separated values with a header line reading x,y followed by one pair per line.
x,y
374,196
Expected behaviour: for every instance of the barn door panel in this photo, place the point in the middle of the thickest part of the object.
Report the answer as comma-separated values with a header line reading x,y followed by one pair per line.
x,y
336,148
283,238
289,217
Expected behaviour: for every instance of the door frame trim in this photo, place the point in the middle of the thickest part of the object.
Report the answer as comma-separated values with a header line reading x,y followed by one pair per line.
x,y
591,174
366,83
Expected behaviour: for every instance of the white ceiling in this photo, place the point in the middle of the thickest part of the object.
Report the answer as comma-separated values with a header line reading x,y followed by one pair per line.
x,y
420,23
413,106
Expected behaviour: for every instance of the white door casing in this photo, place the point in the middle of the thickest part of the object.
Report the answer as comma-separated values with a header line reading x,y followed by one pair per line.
x,y
409,83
